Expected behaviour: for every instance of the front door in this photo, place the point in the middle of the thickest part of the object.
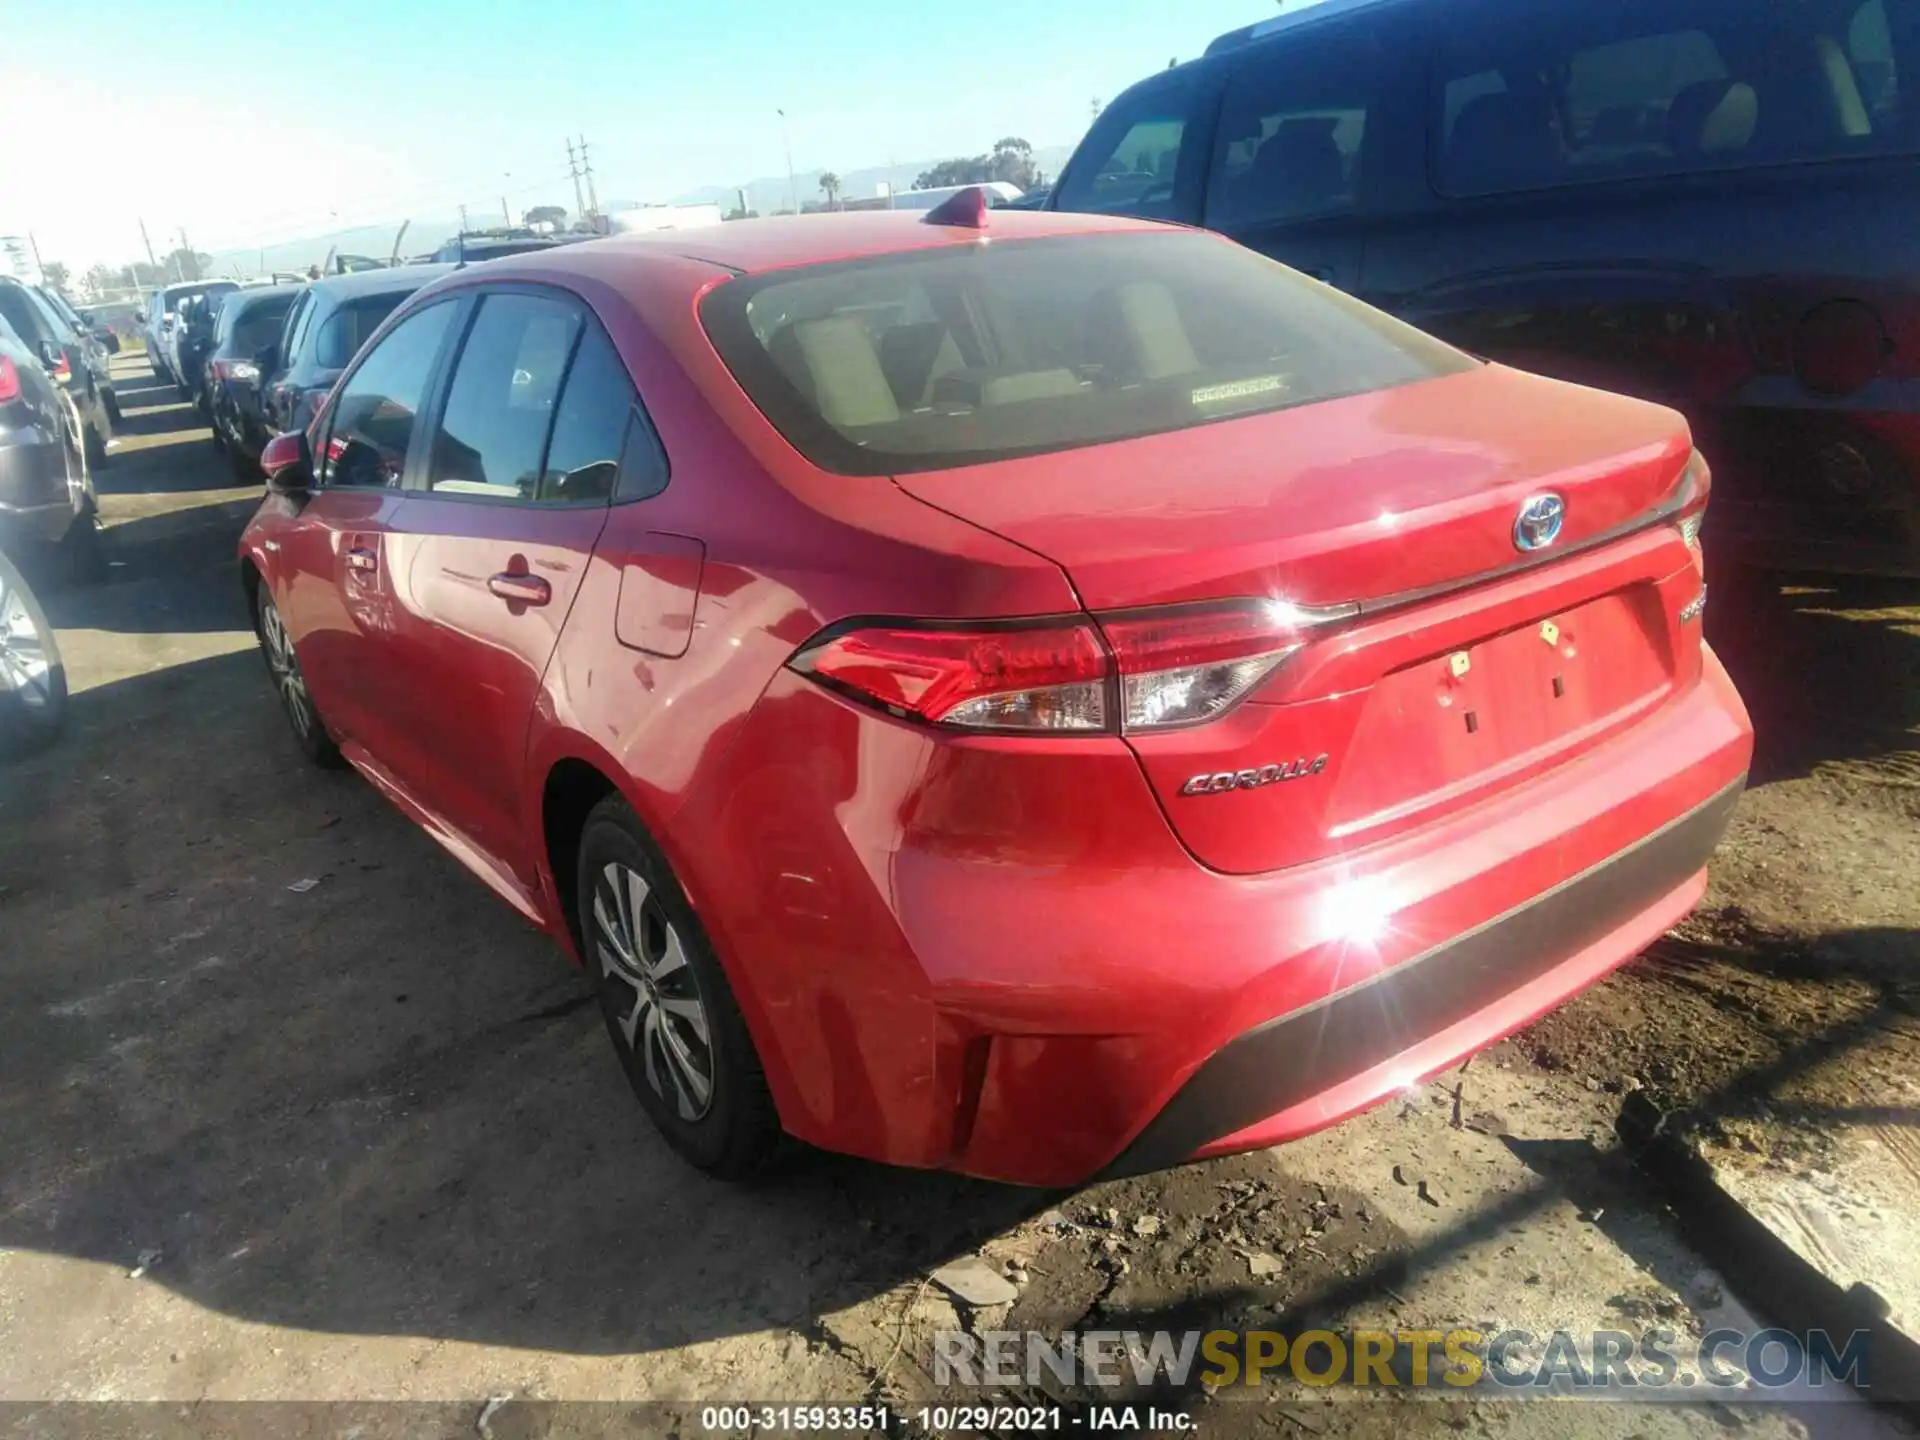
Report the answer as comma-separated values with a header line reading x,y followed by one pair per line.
x,y
491,548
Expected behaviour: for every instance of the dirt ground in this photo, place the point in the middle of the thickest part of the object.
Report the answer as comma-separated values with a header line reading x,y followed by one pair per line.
x,y
365,1142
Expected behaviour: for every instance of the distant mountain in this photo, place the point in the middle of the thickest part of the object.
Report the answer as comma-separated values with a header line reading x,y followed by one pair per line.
x,y
769,193
375,240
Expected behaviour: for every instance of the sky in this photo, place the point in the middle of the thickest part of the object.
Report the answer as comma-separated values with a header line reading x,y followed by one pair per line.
x,y
246,125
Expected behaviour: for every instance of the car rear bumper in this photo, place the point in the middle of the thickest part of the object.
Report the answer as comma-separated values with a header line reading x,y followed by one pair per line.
x,y
993,955
1297,1071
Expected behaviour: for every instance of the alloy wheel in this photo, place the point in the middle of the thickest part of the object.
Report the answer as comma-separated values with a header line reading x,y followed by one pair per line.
x,y
25,667
285,668
666,1024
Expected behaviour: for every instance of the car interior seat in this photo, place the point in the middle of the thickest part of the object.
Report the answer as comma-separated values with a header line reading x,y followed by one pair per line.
x,y
1503,141
1135,333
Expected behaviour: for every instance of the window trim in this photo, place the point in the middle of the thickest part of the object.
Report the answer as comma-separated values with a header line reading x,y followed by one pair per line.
x,y
436,373
1188,200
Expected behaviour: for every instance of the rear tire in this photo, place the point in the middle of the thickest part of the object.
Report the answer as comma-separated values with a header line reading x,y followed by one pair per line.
x,y
283,665
667,1005
33,681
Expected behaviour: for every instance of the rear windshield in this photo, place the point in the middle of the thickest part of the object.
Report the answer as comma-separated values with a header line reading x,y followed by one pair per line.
x,y
935,359
254,326
348,327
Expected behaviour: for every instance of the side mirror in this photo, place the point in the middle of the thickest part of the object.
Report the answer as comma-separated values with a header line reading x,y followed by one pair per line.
x,y
51,355
288,463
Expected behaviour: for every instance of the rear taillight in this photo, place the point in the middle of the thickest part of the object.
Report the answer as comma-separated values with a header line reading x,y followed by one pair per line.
x,y
9,381
1042,677
62,371
1690,500
241,370
1130,671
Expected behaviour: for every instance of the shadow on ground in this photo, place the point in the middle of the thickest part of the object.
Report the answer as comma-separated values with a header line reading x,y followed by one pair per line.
x,y
382,1105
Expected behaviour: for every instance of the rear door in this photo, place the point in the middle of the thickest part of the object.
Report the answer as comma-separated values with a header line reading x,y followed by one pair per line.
x,y
490,550
333,575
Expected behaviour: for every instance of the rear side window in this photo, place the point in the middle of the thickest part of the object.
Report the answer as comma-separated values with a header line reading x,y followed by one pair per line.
x,y
590,426
1292,124
1593,93
966,354
298,323
493,430
1129,161
347,329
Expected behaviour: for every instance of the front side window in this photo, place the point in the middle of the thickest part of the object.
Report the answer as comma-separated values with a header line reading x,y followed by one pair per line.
x,y
1289,141
493,430
929,360
1655,87
373,417
1129,161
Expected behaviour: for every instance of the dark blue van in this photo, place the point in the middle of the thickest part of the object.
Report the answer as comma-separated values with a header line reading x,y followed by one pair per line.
x,y
1710,203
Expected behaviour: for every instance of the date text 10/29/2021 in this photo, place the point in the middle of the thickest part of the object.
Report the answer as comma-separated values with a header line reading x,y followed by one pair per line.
x,y
938,1419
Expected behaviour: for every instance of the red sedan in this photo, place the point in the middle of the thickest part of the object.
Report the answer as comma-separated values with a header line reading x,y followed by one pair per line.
x,y
1035,695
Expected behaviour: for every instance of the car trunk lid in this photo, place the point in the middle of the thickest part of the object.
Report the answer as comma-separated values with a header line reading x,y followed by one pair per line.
x,y
1471,662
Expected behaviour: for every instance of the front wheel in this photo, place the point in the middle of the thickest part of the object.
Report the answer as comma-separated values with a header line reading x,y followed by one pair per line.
x,y
276,648
667,1004
33,682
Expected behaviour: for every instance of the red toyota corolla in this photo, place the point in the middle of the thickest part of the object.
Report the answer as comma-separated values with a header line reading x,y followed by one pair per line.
x,y
1036,695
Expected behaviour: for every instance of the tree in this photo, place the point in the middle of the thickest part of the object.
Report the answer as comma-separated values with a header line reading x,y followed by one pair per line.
x,y
1012,161
55,276
187,264
830,187
554,215
139,276
738,214
98,280
975,171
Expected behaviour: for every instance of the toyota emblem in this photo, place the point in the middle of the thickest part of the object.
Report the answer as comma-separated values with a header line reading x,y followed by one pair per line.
x,y
1538,523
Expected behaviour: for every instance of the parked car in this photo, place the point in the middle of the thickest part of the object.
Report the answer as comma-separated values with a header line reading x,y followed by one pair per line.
x,y
250,322
66,354
1038,709
194,327
1694,201
46,510
98,341
161,317
477,245
328,323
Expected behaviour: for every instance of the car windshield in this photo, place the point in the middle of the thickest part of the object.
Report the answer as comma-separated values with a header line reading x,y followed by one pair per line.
x,y
935,359
348,327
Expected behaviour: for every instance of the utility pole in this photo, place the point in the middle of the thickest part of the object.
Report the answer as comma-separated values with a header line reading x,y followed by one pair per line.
x,y
573,169
38,264
586,169
152,264
187,257
793,188
463,219
506,215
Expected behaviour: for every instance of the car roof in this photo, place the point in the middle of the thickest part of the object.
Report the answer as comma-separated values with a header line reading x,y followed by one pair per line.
x,y
1327,10
252,295
396,279
182,287
786,241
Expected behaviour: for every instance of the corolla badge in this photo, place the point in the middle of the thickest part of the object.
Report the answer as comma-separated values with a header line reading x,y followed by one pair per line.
x,y
1538,523
1221,781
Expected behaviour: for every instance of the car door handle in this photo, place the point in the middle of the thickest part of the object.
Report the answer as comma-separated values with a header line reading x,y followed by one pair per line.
x,y
517,585
362,559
